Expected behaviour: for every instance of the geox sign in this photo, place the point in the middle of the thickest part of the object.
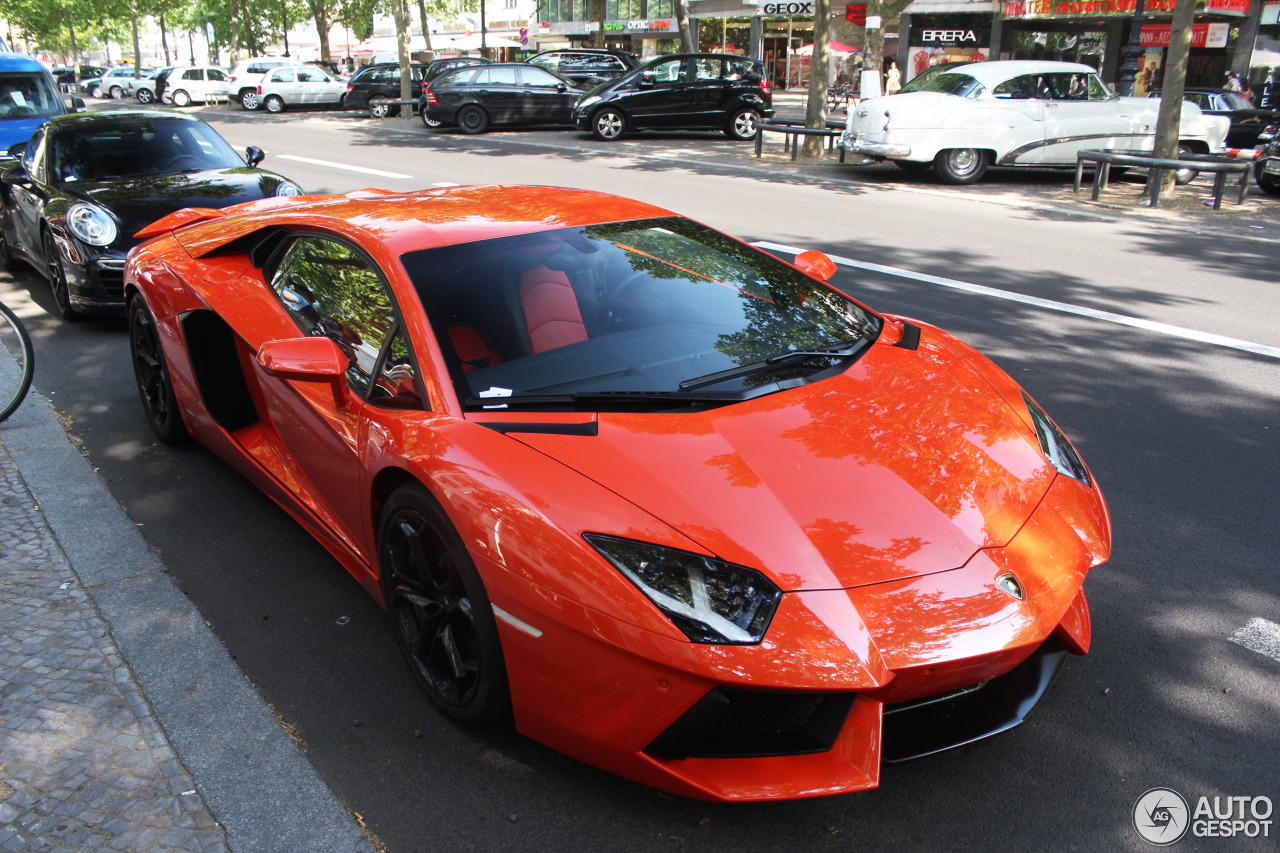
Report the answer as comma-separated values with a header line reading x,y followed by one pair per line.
x,y
788,9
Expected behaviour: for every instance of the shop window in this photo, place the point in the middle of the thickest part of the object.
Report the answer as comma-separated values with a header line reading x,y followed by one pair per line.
x,y
661,9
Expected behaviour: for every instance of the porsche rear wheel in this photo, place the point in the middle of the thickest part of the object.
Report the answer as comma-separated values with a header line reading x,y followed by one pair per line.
x,y
57,276
152,373
439,610
960,165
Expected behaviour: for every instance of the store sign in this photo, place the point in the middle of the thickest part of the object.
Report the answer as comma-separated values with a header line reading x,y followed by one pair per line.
x,y
856,15
1067,8
1227,7
790,10
1202,35
973,37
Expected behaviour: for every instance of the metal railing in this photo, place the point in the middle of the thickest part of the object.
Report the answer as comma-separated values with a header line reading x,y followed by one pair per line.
x,y
1105,158
794,130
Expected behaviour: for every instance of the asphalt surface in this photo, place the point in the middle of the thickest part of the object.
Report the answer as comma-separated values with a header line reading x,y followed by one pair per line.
x,y
1180,433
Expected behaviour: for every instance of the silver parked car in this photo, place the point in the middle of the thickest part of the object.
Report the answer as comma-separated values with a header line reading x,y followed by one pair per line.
x,y
299,85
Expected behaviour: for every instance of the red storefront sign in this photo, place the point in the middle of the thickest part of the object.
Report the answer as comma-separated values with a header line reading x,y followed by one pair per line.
x,y
1051,8
856,15
1202,35
1230,7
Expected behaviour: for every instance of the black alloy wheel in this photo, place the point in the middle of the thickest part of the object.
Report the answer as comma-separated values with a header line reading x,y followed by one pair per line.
x,y
57,276
960,165
152,372
608,124
472,119
742,125
439,610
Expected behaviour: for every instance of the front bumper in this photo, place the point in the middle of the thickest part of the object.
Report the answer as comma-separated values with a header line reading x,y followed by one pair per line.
x,y
856,144
95,282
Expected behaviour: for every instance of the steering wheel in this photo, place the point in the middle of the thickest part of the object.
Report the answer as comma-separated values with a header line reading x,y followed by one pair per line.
x,y
181,162
620,295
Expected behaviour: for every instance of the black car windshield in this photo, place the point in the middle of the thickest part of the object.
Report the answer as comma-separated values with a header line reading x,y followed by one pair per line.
x,y
954,83
648,307
135,148
28,93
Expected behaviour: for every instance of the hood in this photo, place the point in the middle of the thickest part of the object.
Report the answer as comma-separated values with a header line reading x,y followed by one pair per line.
x,y
905,465
136,202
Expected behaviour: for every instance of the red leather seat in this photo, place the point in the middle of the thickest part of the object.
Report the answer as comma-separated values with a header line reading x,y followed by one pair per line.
x,y
471,349
551,312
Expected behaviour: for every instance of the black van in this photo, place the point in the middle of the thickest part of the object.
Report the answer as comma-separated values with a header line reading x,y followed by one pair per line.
x,y
684,91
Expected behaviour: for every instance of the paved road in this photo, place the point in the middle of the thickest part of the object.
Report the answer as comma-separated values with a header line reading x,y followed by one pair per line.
x,y
1178,424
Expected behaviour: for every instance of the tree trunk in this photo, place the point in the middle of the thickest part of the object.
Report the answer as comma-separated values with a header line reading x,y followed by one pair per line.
x,y
815,115
137,48
597,15
1168,123
321,13
422,16
164,40
873,48
75,53
688,44
400,9
233,6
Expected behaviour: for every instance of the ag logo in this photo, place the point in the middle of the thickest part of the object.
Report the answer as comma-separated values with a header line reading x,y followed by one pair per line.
x,y
1161,816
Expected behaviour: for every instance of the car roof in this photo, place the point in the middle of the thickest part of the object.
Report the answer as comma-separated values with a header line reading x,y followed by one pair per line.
x,y
73,120
427,219
989,73
18,62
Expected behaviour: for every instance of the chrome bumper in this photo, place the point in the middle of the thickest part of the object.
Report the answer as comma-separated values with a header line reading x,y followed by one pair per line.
x,y
857,145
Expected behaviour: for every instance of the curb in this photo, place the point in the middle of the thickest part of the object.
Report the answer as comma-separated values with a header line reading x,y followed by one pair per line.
x,y
255,781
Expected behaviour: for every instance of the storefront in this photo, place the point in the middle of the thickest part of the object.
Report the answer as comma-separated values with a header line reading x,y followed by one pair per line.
x,y
1094,31
938,39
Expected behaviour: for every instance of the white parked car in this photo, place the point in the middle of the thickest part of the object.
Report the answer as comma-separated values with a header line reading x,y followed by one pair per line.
x,y
1013,113
248,73
143,88
300,85
188,83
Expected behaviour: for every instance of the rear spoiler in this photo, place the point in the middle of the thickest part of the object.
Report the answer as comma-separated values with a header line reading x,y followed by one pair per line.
x,y
192,215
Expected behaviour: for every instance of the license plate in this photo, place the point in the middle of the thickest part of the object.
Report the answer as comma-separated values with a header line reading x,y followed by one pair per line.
x,y
1271,166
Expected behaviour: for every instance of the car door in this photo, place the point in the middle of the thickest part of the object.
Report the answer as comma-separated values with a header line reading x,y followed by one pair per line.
x,y
1081,113
317,87
330,288
545,98
661,97
705,94
284,83
29,198
215,85
498,91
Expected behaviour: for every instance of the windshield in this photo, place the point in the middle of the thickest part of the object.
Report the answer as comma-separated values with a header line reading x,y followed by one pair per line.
x,y
655,306
918,81
28,93
130,149
953,83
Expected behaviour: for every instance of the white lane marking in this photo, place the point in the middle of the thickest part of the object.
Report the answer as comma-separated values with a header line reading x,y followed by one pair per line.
x,y
1049,304
1261,636
518,624
333,165
446,184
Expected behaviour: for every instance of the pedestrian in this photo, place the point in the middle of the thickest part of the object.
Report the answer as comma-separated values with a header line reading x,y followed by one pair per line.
x,y
893,80
1233,82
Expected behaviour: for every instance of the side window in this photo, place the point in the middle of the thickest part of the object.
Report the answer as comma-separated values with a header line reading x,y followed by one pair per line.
x,y
34,155
505,76
551,63
329,289
736,69
671,71
396,385
308,75
215,74
1019,88
539,79
707,69
284,75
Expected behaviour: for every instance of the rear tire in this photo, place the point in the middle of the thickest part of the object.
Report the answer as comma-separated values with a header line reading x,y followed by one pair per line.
x,y
742,125
960,165
473,120
116,93
427,121
273,104
380,107
249,100
181,98
1185,176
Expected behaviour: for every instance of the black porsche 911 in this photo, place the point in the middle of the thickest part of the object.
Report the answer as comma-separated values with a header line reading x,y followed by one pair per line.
x,y
87,182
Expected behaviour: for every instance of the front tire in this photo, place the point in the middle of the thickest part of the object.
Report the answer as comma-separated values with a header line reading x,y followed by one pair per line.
x,y
608,124
146,96
960,165
181,98
1269,184
473,120
439,610
273,104
152,374
57,276
742,125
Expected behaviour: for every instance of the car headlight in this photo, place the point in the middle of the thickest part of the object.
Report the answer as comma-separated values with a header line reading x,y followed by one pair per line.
x,y
288,188
91,224
711,601
1061,455
588,101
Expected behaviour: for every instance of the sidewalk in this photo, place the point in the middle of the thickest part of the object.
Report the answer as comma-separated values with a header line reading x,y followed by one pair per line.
x,y
124,723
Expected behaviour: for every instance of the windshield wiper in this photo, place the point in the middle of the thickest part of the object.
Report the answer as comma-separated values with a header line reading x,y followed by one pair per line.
x,y
658,399
840,349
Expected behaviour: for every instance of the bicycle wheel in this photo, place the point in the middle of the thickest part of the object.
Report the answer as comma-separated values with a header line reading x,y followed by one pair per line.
x,y
15,376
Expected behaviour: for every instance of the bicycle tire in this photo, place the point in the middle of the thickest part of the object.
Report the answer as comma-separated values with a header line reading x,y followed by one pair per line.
x,y
26,363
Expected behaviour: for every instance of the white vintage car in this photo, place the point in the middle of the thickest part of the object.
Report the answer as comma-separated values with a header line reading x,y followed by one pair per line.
x,y
1013,113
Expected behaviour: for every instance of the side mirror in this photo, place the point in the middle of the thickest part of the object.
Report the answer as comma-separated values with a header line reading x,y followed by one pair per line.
x,y
15,176
816,264
253,156
561,88
77,104
318,359
645,81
